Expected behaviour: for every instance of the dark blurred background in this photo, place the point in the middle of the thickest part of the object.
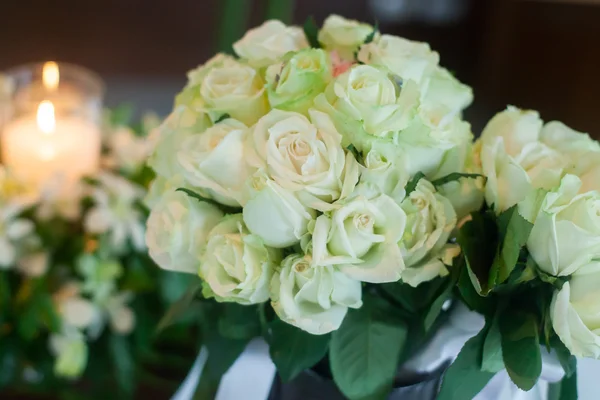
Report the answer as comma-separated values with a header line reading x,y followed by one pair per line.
x,y
530,53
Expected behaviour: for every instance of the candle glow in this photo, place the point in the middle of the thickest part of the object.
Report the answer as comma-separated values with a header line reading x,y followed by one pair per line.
x,y
50,75
45,117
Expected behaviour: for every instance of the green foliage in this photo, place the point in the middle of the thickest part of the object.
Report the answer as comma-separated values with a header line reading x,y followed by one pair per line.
x,y
492,360
177,309
464,378
371,36
513,232
294,350
311,31
521,347
566,389
454,176
365,350
224,208
412,184
222,118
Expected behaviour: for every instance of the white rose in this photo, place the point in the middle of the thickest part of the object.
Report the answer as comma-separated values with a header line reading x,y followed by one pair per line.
x,y
465,194
403,57
582,151
515,158
177,230
215,161
566,230
343,36
236,265
367,103
590,178
574,311
182,123
236,89
161,185
313,298
264,45
443,89
197,75
304,156
273,213
430,219
507,182
361,237
435,143
386,170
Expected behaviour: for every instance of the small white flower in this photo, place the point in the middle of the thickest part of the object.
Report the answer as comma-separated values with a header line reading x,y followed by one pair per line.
x,y
115,212
128,152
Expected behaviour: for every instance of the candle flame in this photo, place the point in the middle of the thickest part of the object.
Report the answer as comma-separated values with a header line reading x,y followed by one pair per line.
x,y
50,75
45,117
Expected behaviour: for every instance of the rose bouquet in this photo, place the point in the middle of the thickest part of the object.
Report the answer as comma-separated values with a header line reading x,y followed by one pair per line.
x,y
314,184
79,295
532,255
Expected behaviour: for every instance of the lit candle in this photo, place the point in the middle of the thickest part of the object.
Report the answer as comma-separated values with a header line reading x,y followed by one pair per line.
x,y
42,145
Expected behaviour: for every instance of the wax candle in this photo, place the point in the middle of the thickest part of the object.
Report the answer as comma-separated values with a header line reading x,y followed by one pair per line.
x,y
38,150
54,130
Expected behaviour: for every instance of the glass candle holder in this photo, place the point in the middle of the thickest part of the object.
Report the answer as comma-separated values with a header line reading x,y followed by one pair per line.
x,y
52,123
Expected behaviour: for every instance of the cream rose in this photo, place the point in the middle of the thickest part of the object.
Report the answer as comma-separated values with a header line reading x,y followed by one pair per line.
x,y
566,229
236,89
236,265
403,57
361,237
273,213
575,308
313,298
385,171
430,219
215,161
265,44
304,157
293,85
515,160
181,123
177,230
343,36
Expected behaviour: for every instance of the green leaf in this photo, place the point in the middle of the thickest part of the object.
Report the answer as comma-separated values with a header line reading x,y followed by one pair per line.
x,y
464,378
222,118
222,353
436,306
294,350
566,359
239,322
454,176
472,299
222,207
364,352
178,309
412,184
521,347
371,36
478,240
492,360
413,300
123,363
513,232
121,115
311,31
566,389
